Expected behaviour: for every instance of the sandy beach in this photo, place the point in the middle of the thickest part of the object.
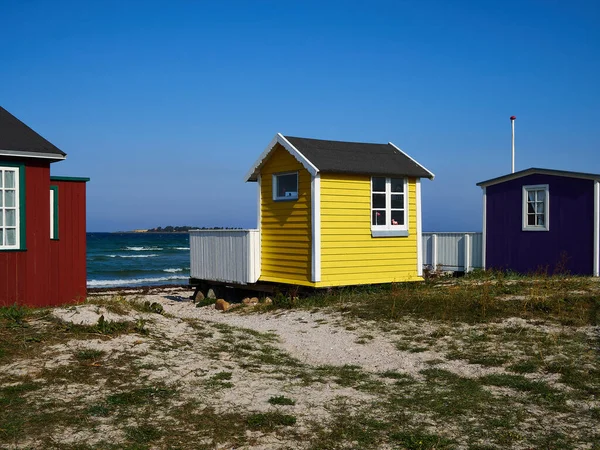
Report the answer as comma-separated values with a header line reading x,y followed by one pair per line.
x,y
122,370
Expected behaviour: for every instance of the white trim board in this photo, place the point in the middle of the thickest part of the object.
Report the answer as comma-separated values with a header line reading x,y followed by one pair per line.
x,y
280,139
597,229
419,231
483,237
418,164
315,186
18,153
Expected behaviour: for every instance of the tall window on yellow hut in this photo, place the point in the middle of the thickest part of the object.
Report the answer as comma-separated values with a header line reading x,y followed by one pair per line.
x,y
389,207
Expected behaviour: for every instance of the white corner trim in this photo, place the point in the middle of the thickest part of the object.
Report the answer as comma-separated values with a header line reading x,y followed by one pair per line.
x,y
483,237
258,257
259,205
280,139
467,253
315,186
419,231
32,155
597,229
413,160
312,169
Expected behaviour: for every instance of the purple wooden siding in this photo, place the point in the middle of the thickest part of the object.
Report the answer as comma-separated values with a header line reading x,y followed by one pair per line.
x,y
570,240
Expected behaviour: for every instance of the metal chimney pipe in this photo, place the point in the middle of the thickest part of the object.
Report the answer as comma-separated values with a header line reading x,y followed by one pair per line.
x,y
512,123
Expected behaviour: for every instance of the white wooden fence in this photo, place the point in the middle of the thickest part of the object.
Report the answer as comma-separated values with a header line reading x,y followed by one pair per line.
x,y
456,252
234,255
225,255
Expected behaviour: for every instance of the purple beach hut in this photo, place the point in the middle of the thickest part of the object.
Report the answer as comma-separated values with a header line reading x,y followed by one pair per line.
x,y
542,220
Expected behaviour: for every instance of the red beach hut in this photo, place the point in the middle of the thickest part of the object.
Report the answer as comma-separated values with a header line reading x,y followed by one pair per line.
x,y
42,222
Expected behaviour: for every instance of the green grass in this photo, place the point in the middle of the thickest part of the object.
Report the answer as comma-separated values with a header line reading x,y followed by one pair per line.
x,y
270,420
89,354
281,400
140,396
477,298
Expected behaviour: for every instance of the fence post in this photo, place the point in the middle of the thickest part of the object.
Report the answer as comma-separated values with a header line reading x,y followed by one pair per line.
x,y
434,253
467,253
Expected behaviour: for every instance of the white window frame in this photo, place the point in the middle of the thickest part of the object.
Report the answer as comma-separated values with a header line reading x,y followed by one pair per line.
x,y
389,230
526,190
17,209
54,212
275,186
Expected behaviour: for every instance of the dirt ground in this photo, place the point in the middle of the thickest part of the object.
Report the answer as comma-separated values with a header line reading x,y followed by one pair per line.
x,y
120,372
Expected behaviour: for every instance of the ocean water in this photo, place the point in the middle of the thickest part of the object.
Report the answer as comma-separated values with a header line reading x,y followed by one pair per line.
x,y
137,259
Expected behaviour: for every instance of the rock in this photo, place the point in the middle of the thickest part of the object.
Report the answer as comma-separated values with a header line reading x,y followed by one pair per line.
x,y
199,297
250,301
222,305
268,301
211,294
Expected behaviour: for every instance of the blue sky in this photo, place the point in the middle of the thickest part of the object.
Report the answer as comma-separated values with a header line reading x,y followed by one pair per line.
x,y
166,105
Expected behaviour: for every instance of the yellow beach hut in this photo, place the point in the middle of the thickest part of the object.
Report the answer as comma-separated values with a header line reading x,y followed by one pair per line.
x,y
330,213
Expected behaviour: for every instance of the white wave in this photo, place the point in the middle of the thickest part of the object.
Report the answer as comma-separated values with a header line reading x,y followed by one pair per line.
x,y
182,248
132,256
142,249
134,281
173,270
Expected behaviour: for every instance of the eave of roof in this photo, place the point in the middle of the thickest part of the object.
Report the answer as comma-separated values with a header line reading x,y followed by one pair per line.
x,y
19,140
535,170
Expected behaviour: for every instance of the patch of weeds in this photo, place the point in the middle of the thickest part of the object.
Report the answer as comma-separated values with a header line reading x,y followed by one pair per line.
x,y
268,354
219,381
270,420
520,383
478,355
103,326
401,378
99,410
224,328
568,300
449,394
14,315
198,419
417,349
140,326
345,376
222,376
140,396
583,378
420,440
11,395
281,400
348,430
206,302
554,439
89,354
154,307
434,362
117,304
143,434
525,366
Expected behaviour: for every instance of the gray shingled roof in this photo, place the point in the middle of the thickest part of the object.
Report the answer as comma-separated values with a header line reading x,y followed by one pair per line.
x,y
17,137
358,158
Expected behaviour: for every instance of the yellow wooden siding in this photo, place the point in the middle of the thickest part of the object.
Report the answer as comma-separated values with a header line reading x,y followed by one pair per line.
x,y
349,255
286,245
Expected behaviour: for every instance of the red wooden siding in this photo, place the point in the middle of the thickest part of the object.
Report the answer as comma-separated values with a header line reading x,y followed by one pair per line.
x,y
68,272
24,274
48,272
